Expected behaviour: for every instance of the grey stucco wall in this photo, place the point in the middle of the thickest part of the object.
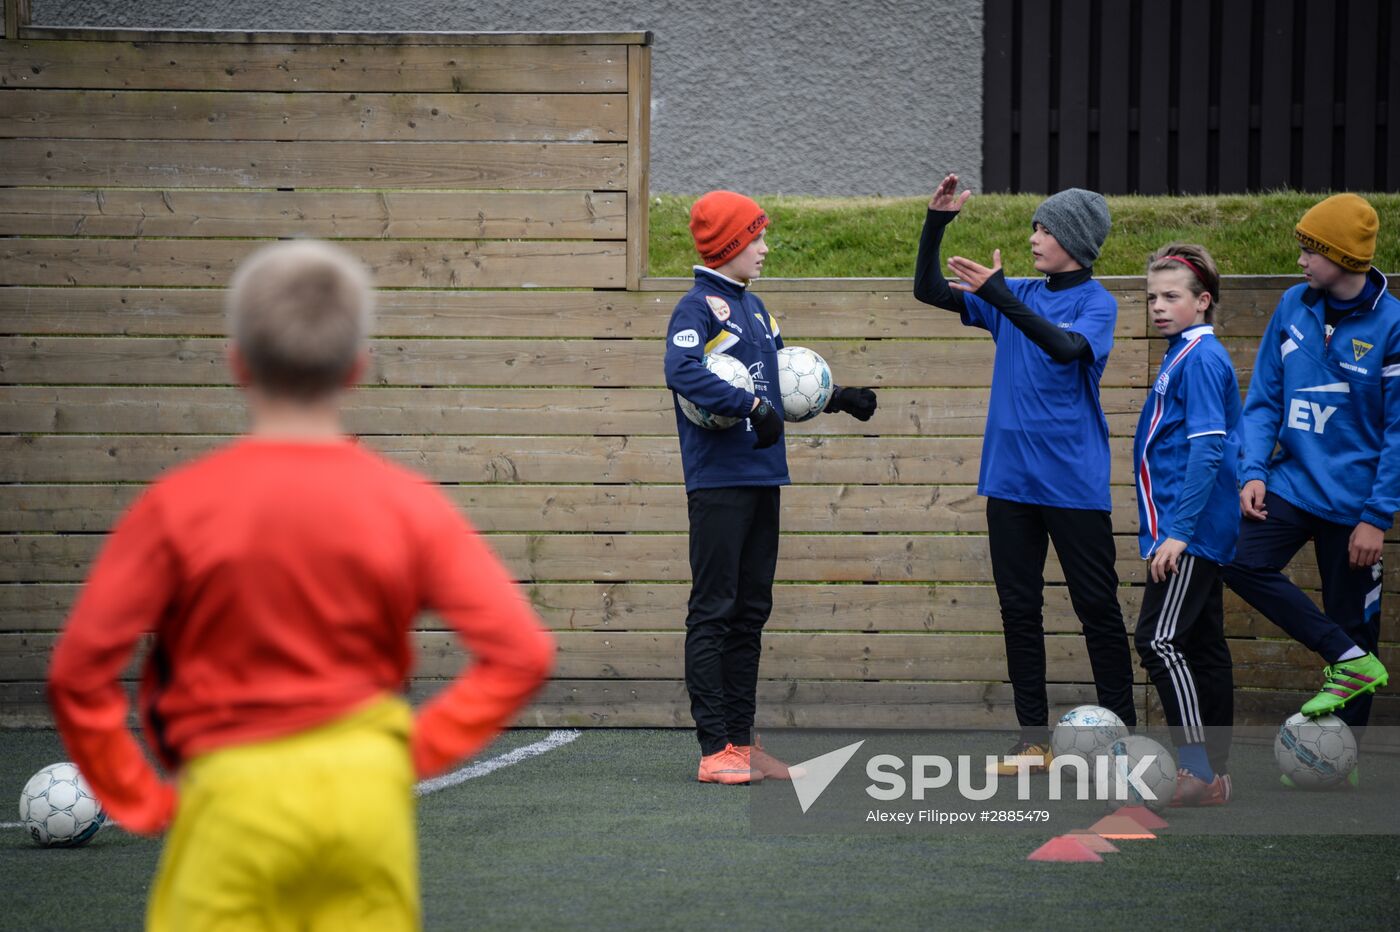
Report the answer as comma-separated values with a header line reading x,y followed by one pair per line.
x,y
787,97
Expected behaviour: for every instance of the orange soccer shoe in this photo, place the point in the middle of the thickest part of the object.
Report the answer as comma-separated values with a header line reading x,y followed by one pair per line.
x,y
1192,791
730,766
768,765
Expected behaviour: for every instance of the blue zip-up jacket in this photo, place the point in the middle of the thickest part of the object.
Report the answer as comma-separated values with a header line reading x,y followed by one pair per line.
x,y
720,315
1194,397
1331,406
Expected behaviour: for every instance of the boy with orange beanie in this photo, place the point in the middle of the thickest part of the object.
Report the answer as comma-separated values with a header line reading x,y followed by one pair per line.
x,y
279,577
732,479
1326,392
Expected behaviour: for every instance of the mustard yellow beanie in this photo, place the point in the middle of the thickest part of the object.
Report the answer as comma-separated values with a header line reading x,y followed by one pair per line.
x,y
1343,229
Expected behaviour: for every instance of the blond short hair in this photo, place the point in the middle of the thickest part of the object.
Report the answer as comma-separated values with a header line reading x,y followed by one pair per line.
x,y
299,314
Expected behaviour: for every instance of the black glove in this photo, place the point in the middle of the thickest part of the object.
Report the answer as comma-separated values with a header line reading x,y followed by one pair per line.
x,y
859,403
767,423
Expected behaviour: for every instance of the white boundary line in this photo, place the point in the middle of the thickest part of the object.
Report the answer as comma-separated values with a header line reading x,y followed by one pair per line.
x,y
555,739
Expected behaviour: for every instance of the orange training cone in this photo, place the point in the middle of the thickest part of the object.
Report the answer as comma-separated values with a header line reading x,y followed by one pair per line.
x,y
1094,841
1118,827
1063,848
1143,816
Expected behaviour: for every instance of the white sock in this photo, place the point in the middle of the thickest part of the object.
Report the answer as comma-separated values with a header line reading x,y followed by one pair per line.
x,y
1352,654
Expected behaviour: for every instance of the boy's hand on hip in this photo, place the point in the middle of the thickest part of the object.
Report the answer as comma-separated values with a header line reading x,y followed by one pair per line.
x,y
1252,500
859,403
767,424
972,275
1364,548
1165,559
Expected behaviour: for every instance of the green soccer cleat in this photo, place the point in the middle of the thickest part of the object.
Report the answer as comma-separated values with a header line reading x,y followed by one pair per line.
x,y
1343,681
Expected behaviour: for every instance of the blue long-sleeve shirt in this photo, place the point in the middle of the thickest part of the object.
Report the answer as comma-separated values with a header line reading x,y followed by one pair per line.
x,y
1331,404
1186,447
720,315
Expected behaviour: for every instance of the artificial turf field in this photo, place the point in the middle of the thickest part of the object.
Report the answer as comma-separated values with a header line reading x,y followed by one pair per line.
x,y
611,831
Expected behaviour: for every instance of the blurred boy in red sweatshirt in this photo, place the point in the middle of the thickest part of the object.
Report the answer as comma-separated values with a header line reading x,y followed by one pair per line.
x,y
279,576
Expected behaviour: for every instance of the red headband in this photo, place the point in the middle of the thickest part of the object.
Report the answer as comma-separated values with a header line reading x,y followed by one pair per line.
x,y
1190,265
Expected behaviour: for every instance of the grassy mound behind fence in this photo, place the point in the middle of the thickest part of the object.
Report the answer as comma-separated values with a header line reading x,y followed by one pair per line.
x,y
879,236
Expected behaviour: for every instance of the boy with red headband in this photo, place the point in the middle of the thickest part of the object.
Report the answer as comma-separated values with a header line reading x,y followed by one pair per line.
x,y
279,577
1325,392
1184,457
732,479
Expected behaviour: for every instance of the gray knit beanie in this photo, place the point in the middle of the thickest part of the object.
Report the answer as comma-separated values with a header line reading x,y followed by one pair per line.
x,y
1078,220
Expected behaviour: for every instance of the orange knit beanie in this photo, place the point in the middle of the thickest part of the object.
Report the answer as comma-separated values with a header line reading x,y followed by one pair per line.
x,y
1342,228
723,223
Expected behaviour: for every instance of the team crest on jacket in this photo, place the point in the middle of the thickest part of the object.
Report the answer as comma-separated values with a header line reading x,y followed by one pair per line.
x,y
1360,348
1162,381
719,306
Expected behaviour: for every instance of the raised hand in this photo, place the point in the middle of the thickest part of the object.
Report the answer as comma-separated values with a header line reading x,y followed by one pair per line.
x,y
972,275
946,196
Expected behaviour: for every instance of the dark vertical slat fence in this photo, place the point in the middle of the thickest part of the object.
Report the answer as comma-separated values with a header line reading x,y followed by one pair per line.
x,y
1191,96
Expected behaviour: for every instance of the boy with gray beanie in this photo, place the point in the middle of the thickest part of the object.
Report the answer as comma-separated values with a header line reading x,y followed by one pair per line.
x,y
1045,459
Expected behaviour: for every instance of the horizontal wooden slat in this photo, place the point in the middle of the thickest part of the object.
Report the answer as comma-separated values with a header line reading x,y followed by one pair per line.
x,y
469,264
635,655
575,508
944,607
599,363
193,114
146,164
240,38
790,655
235,66
853,460
791,703
664,704
140,409
819,311
804,315
663,557
324,214
804,704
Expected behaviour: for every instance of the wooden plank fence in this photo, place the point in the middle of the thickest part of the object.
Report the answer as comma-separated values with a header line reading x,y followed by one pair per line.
x,y
472,173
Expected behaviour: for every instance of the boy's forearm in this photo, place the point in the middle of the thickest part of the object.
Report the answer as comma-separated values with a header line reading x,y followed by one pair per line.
x,y
1202,464
1380,508
465,716
1059,344
511,652
108,755
930,286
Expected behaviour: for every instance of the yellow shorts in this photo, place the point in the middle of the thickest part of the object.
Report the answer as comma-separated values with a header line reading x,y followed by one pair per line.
x,y
316,830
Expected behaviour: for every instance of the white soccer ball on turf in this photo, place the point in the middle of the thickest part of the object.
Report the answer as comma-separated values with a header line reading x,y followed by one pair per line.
x,y
1086,731
804,381
732,371
1158,776
58,809
1315,753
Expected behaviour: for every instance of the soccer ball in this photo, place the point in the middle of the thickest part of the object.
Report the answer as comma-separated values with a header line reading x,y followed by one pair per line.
x,y
732,371
1315,753
58,809
804,380
1159,777
1086,731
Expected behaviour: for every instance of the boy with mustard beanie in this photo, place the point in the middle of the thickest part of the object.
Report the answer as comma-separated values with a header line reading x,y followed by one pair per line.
x,y
732,478
1326,392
